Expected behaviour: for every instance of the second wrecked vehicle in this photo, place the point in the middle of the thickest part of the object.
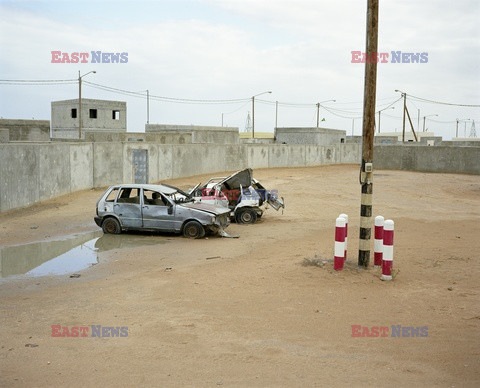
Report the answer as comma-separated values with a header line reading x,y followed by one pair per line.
x,y
241,193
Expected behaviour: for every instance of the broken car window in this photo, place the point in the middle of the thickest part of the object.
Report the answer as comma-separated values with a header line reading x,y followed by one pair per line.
x,y
154,198
129,195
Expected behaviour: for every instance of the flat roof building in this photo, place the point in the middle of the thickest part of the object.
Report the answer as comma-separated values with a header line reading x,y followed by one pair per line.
x,y
97,115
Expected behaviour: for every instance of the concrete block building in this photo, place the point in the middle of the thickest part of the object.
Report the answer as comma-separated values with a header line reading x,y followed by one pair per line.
x,y
166,133
97,116
24,130
318,136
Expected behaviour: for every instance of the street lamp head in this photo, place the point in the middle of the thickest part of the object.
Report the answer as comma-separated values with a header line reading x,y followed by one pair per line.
x,y
259,94
94,72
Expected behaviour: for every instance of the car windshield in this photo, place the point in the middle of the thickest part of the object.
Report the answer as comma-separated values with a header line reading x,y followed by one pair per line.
x,y
178,196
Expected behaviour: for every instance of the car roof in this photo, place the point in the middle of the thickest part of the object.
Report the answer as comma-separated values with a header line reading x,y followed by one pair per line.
x,y
165,189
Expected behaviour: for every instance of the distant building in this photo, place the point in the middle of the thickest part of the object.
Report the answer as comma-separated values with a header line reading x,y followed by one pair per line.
x,y
408,135
178,134
313,135
423,138
97,115
24,130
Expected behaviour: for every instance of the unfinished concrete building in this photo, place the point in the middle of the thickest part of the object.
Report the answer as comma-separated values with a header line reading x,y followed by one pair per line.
x,y
97,116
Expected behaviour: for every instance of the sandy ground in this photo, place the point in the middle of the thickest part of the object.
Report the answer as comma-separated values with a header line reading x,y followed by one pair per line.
x,y
247,311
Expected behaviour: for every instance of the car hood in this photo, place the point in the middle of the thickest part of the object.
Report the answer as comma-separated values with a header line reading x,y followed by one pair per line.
x,y
217,210
237,179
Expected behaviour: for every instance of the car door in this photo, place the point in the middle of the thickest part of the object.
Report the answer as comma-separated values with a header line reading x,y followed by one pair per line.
x,y
158,211
128,209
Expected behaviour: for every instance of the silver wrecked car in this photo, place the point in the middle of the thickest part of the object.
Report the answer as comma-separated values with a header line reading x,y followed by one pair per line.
x,y
158,208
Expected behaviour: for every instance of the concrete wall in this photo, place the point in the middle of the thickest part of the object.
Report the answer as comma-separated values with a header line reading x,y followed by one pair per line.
x,y
154,137
32,172
35,172
25,130
65,126
4,135
442,159
472,142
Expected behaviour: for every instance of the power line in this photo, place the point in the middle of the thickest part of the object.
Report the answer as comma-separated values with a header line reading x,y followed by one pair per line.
x,y
5,81
167,99
442,103
38,82
332,110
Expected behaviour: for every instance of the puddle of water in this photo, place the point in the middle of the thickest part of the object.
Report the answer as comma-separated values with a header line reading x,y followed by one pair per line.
x,y
68,255
76,259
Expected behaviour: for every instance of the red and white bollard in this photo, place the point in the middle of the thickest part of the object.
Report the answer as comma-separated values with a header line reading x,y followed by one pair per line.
x,y
339,255
387,262
346,233
378,243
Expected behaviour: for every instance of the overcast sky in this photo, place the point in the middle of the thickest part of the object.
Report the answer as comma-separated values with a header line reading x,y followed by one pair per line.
x,y
234,49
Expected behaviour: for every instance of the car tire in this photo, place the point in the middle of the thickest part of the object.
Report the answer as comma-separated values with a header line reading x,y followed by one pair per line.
x,y
246,216
193,229
111,226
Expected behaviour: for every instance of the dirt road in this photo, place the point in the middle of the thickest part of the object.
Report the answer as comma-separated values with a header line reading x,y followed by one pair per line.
x,y
248,311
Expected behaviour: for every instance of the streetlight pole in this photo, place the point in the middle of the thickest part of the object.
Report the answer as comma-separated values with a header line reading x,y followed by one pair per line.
x,y
253,111
465,130
80,102
418,119
276,114
424,117
148,107
380,111
318,108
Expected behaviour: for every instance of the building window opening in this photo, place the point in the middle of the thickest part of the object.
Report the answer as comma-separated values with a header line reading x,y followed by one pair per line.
x,y
74,113
115,115
93,113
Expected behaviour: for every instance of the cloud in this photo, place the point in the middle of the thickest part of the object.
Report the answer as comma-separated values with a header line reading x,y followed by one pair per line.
x,y
234,49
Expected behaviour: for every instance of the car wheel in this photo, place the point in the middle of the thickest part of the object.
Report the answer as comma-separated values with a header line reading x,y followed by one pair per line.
x,y
246,216
193,229
111,226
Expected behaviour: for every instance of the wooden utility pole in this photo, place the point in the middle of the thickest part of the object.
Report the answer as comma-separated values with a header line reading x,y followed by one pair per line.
x,y
411,125
369,97
404,112
79,106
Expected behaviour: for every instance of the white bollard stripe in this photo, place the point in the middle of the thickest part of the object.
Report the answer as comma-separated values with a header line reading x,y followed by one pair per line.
x,y
388,253
339,249
378,245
